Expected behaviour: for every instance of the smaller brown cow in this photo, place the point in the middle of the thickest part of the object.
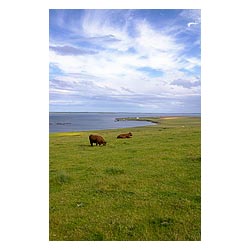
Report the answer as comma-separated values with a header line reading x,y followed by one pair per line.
x,y
97,139
123,136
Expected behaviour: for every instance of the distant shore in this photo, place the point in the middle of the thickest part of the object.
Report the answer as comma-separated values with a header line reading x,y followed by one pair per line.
x,y
86,121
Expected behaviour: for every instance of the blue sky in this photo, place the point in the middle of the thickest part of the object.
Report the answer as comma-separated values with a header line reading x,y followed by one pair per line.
x,y
125,60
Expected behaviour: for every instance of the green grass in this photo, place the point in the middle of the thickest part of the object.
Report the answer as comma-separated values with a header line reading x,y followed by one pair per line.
x,y
144,188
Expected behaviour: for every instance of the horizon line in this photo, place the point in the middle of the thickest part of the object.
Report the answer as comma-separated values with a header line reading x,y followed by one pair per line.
x,y
124,112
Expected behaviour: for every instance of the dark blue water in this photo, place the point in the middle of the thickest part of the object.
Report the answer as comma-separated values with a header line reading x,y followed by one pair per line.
x,y
65,122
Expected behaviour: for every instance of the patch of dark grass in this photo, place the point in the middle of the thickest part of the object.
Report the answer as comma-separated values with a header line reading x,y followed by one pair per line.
x,y
161,222
96,236
167,194
113,191
52,209
114,171
197,199
127,192
194,158
132,150
131,231
61,177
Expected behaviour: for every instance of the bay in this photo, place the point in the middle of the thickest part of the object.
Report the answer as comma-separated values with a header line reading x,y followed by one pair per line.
x,y
87,121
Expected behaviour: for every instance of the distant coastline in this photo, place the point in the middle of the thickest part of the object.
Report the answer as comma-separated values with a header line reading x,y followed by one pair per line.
x,y
87,121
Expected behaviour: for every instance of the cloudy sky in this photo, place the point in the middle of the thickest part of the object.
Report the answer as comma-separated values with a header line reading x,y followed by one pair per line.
x,y
125,60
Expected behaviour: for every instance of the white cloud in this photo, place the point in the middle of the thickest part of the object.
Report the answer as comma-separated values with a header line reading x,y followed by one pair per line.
x,y
191,23
61,91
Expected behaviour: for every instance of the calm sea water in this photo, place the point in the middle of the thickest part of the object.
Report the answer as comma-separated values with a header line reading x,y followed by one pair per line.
x,y
65,122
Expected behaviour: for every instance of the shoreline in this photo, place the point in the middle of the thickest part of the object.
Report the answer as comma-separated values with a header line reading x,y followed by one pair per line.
x,y
153,120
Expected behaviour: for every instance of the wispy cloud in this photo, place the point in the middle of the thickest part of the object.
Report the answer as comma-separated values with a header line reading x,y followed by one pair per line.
x,y
191,23
121,55
69,50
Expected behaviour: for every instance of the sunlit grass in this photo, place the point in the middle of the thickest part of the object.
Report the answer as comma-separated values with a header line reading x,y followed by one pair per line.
x,y
143,188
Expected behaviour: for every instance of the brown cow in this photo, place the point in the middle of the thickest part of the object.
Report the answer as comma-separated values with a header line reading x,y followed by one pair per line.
x,y
97,139
122,136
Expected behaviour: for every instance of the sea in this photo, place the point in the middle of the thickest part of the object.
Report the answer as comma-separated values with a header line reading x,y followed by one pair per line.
x,y
87,121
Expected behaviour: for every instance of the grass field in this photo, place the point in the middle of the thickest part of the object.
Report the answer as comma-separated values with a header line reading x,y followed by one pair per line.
x,y
144,188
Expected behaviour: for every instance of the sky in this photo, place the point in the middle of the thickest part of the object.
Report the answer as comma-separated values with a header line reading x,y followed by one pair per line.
x,y
125,61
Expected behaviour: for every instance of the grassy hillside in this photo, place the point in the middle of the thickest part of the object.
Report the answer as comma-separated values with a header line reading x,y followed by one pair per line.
x,y
143,188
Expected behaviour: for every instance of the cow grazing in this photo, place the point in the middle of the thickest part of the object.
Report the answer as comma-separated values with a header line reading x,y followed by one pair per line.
x,y
97,139
123,136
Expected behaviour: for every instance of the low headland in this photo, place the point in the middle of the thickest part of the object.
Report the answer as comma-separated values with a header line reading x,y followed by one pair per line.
x,y
144,188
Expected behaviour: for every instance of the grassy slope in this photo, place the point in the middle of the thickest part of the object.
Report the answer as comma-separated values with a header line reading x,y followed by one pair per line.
x,y
143,188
